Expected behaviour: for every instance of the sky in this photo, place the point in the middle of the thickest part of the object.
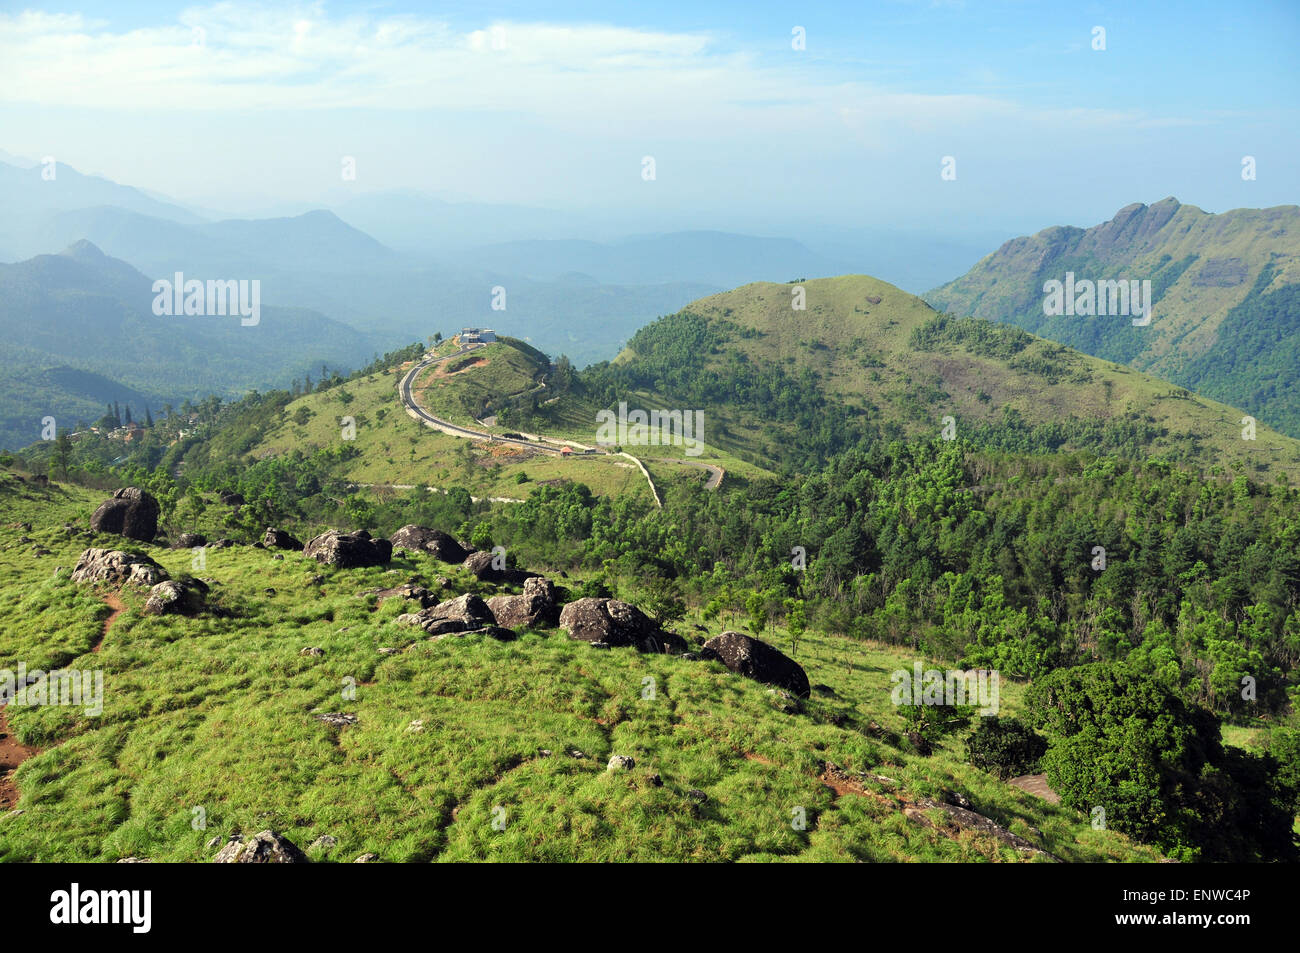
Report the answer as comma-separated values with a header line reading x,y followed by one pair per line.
x,y
248,108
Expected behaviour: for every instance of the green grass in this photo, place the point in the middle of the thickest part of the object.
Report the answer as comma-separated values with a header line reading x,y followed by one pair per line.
x,y
215,713
398,450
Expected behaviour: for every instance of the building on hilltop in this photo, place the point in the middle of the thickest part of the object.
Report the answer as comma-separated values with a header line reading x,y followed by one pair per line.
x,y
477,336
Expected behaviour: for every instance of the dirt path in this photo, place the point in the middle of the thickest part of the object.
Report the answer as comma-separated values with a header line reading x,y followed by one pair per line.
x,y
114,602
1036,784
12,754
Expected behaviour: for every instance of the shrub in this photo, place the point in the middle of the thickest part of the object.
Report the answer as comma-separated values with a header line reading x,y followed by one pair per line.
x,y
1005,747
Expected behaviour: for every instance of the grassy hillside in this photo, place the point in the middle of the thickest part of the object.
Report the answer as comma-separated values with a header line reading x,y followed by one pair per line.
x,y
390,448
1225,287
216,713
866,356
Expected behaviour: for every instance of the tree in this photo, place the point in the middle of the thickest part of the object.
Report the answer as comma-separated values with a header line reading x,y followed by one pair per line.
x,y
1120,741
756,609
795,622
62,453
662,601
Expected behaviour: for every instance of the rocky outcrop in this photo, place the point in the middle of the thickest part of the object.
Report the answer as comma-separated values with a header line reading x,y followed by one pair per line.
x,y
757,660
536,606
422,539
230,498
349,550
279,539
131,512
267,847
467,613
613,623
964,819
116,567
407,590
190,540
176,598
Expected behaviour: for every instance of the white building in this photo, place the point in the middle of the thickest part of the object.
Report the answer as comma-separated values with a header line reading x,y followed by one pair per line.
x,y
477,336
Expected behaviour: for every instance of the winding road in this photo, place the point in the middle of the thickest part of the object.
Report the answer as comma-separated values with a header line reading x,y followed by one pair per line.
x,y
414,410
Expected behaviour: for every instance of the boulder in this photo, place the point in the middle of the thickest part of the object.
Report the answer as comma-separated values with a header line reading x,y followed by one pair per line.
x,y
118,568
349,550
279,539
422,539
757,660
463,614
408,590
267,847
620,762
231,498
173,598
611,622
190,540
130,512
480,564
537,605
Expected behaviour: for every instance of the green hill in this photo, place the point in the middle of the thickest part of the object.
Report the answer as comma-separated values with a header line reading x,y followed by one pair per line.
x,y
865,358
1226,289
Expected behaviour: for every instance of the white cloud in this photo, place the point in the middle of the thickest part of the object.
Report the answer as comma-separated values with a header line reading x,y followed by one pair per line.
x,y
233,56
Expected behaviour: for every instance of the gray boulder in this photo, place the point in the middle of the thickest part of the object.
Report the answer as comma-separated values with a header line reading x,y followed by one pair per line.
x,y
349,550
174,598
408,590
615,623
536,606
117,567
462,614
757,660
480,564
130,512
422,539
267,847
279,539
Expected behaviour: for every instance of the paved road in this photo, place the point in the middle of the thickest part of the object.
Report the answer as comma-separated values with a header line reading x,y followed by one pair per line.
x,y
446,426
715,472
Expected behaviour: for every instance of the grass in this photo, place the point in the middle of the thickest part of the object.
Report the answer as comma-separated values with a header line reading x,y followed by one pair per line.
x,y
211,719
397,450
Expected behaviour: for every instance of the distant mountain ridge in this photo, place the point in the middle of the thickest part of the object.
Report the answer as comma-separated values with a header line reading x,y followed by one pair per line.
x,y
77,329
1226,287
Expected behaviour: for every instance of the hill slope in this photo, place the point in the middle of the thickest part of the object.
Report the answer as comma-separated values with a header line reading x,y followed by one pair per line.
x,y
1226,290
783,384
219,712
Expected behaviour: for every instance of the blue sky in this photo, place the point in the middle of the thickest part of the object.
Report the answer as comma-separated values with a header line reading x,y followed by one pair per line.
x,y
557,104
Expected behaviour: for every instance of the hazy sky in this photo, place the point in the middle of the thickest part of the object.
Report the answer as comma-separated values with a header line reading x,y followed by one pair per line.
x,y
238,106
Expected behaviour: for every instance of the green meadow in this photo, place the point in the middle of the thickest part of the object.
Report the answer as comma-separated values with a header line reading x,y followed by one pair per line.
x,y
463,748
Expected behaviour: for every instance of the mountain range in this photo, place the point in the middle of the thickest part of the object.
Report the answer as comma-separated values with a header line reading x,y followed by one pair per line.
x,y
1226,289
